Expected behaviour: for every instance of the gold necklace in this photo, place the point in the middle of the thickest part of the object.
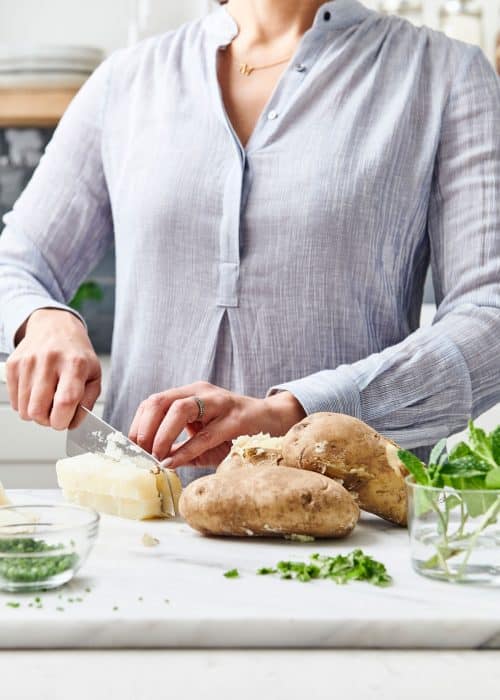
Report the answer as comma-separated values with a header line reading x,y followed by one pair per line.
x,y
247,70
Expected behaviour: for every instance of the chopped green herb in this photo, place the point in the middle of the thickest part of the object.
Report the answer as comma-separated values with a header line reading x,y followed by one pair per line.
x,y
11,604
79,600
232,573
264,571
30,569
59,609
166,600
88,590
115,608
140,598
355,566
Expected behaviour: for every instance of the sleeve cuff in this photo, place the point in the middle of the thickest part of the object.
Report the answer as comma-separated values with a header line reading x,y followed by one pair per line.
x,y
20,310
330,390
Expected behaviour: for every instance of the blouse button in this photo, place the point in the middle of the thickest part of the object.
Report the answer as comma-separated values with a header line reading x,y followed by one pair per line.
x,y
327,16
272,115
300,67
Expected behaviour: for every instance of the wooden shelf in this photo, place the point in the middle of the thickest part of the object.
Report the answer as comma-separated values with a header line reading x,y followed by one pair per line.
x,y
34,107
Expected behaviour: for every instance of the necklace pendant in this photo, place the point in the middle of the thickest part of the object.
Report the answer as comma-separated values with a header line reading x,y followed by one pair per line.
x,y
246,70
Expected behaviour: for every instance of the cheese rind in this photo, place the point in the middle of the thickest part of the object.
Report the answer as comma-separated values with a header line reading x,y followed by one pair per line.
x,y
116,487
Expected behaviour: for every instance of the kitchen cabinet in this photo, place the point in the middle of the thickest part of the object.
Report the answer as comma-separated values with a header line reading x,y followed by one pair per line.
x,y
22,107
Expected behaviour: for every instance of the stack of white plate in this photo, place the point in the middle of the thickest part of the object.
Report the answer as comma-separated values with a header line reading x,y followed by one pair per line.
x,y
47,66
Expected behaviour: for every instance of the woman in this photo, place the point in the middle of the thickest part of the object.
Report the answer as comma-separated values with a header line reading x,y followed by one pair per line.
x,y
276,177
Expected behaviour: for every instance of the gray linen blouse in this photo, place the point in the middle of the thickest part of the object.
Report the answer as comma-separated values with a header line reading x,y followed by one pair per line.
x,y
297,262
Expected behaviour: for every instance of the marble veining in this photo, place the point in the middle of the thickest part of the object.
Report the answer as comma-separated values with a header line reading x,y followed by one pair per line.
x,y
175,595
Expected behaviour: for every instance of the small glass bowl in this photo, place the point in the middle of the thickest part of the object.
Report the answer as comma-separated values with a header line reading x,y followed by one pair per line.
x,y
43,546
454,533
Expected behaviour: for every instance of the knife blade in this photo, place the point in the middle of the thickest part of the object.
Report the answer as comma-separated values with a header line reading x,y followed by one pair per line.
x,y
89,433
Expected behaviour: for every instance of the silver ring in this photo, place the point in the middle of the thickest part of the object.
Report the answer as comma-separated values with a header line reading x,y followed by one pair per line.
x,y
201,408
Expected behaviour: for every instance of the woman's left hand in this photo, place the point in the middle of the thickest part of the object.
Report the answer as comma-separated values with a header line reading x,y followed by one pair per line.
x,y
162,417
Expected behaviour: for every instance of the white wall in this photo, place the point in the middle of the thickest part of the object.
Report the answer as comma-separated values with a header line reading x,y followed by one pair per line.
x,y
101,23
104,22
491,19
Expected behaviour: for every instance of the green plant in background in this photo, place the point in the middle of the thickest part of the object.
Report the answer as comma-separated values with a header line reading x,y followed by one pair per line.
x,y
88,291
470,466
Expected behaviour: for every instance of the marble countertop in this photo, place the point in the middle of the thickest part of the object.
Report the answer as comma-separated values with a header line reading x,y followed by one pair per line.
x,y
175,595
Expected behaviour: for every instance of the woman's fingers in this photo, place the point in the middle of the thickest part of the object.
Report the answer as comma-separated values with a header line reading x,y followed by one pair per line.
x,y
212,435
26,371
134,426
12,376
69,393
42,394
153,410
180,414
91,393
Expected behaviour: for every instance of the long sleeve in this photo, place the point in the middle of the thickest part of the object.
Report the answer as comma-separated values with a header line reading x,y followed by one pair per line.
x,y
428,385
61,225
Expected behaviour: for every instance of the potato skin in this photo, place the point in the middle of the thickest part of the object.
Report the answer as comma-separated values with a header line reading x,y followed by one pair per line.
x,y
345,448
268,502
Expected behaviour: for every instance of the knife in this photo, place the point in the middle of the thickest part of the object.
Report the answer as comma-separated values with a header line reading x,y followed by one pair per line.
x,y
88,433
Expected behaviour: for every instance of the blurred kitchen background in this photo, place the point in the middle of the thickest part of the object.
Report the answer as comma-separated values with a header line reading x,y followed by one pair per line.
x,y
48,48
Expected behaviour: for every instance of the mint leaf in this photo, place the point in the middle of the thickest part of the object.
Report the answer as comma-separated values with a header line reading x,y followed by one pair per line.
x,y
460,450
415,466
495,444
438,453
481,444
492,480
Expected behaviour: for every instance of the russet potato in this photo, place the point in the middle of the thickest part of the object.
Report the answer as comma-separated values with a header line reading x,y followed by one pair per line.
x,y
268,500
344,448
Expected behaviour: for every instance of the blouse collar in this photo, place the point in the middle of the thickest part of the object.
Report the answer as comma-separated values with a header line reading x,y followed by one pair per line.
x,y
337,14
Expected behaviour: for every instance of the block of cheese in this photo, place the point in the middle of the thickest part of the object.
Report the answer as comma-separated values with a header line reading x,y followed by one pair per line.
x,y
117,487
4,501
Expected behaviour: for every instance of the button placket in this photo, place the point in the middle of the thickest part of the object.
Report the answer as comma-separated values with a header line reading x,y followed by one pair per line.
x,y
229,237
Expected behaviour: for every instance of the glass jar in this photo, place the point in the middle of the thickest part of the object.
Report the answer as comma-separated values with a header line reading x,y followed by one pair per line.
x,y
463,20
411,10
454,534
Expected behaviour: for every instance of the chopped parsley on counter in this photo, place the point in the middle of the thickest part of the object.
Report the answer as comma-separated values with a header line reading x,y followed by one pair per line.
x,y
355,566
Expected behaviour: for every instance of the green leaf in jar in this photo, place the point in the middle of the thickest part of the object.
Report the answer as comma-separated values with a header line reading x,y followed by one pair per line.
x,y
492,480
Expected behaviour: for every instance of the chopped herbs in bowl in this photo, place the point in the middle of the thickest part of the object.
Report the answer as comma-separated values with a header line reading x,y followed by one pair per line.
x,y
454,509
43,546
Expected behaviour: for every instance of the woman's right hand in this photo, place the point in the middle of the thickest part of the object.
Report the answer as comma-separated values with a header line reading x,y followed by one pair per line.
x,y
53,369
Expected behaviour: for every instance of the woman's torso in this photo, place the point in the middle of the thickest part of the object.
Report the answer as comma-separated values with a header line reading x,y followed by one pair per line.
x,y
307,250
